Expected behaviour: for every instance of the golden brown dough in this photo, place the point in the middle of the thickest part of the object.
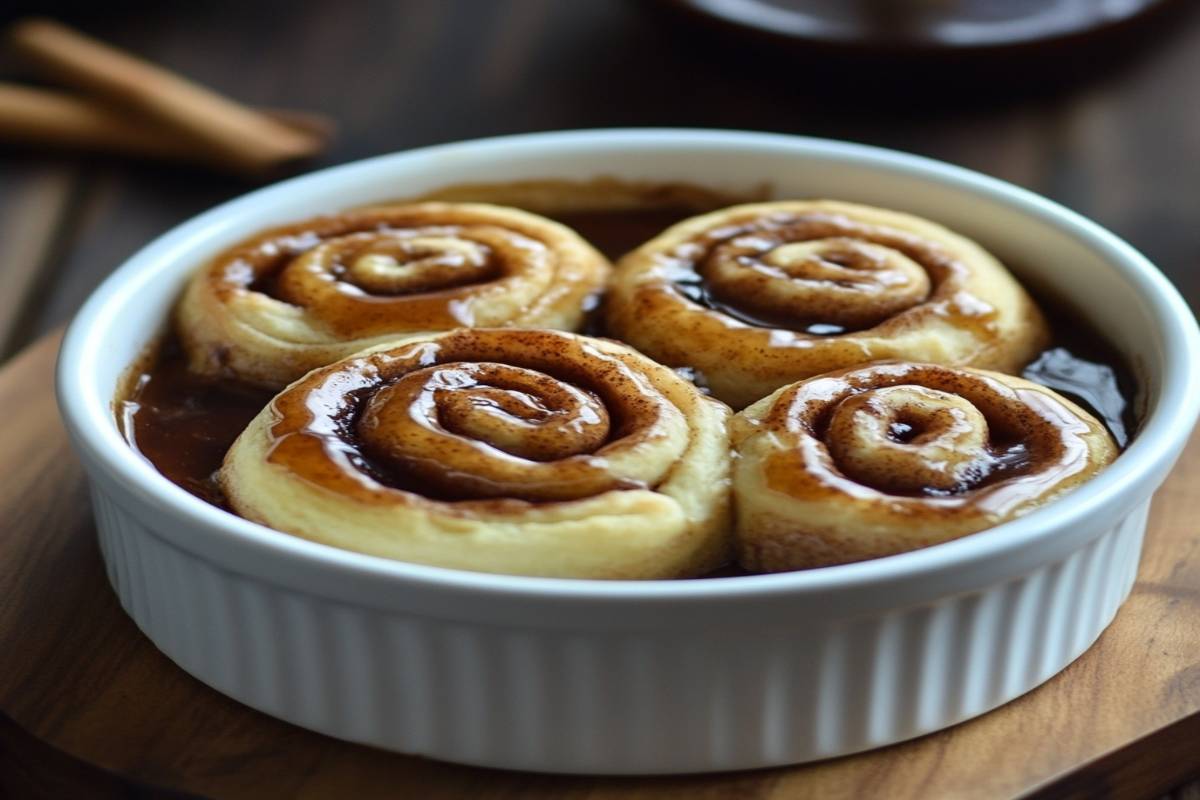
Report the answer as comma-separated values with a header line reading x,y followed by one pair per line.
x,y
297,297
894,456
525,452
757,296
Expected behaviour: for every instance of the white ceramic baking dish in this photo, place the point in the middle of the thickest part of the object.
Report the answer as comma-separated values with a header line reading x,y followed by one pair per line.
x,y
635,677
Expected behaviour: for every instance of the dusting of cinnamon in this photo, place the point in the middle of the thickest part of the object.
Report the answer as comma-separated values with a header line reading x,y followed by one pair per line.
x,y
387,420
184,423
1016,443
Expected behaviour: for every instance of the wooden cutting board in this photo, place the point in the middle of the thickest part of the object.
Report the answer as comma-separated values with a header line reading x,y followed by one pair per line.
x,y
91,709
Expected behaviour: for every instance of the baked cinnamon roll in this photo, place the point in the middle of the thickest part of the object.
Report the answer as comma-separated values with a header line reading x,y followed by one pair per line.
x,y
757,296
525,452
891,457
294,298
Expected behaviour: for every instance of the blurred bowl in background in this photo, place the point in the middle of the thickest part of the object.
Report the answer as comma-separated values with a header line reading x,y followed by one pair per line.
x,y
912,25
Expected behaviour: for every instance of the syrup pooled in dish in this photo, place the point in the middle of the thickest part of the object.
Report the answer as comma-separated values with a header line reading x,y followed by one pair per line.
x,y
185,421
298,297
895,456
760,295
525,452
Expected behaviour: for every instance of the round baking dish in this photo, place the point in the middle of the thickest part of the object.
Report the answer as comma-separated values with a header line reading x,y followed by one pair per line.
x,y
635,677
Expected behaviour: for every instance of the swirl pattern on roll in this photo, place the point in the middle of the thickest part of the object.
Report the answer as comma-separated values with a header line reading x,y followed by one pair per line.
x,y
301,296
757,296
526,452
895,456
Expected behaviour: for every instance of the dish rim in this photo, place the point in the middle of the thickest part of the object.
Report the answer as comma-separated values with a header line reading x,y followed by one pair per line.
x,y
87,408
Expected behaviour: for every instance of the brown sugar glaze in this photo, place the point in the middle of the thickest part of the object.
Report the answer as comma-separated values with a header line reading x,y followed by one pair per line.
x,y
748,299
1028,448
389,415
183,423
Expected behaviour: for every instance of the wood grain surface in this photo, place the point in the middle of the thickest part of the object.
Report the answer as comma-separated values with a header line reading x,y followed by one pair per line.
x,y
1113,132
91,709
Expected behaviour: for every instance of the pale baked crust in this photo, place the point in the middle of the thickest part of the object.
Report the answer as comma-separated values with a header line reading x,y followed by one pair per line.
x,y
891,457
298,297
543,453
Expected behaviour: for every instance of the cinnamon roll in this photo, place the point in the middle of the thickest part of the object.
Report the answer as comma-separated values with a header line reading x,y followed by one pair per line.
x,y
525,452
297,297
757,296
894,456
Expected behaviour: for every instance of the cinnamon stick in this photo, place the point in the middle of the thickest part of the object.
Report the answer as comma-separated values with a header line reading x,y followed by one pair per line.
x,y
49,119
54,119
224,131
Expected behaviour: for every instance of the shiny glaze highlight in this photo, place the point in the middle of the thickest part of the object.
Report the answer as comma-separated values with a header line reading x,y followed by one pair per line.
x,y
482,414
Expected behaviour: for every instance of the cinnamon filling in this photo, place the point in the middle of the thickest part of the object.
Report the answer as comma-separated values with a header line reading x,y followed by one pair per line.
x,y
359,272
508,425
184,424
817,274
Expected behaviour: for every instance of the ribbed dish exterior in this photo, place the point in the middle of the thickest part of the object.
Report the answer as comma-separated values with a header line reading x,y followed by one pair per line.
x,y
600,677
610,701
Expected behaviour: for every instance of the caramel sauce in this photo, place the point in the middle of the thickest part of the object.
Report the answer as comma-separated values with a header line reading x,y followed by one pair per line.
x,y
1082,366
694,263
183,423
467,257
1033,443
1007,452
389,415
692,286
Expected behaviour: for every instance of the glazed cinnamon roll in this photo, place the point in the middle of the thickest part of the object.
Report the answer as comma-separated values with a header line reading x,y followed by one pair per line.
x,y
294,298
757,296
525,452
890,457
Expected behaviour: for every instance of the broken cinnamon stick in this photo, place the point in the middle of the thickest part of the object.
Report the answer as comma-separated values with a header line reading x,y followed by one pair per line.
x,y
53,119
45,118
225,131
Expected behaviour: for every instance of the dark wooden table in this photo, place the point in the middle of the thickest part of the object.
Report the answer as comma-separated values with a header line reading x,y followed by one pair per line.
x,y
1109,127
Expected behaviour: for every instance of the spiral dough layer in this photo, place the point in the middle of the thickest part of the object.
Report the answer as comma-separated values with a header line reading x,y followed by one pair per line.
x,y
893,456
525,452
757,296
298,297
